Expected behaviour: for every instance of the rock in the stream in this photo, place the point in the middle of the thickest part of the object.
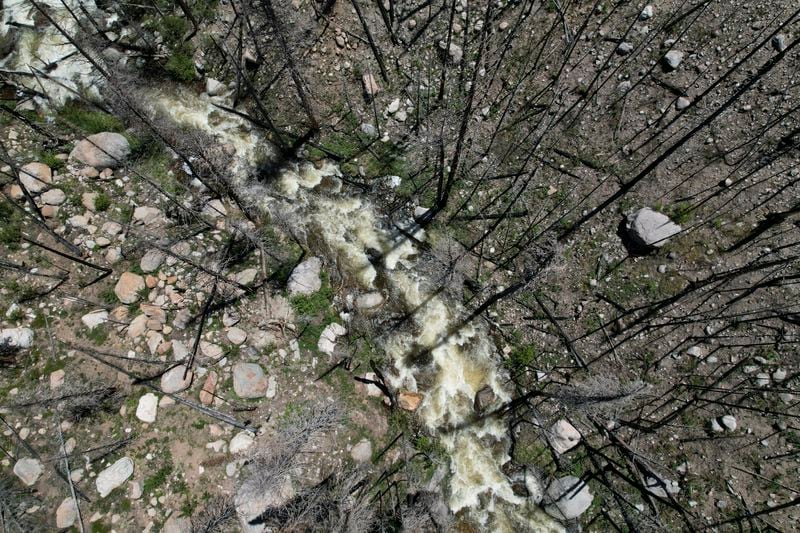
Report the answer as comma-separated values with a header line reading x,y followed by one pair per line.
x,y
484,398
128,287
564,436
305,277
215,87
66,514
102,150
28,470
35,176
567,498
369,300
147,408
114,476
174,381
249,380
16,337
409,400
647,227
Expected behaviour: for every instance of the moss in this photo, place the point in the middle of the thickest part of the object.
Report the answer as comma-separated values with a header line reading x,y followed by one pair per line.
x,y
87,120
180,64
521,357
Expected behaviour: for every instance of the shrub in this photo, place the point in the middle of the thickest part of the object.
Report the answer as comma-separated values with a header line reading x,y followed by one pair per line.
x,y
87,120
181,64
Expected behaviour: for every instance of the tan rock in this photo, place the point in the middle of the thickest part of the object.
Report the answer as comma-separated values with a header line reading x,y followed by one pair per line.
x,y
35,176
210,386
409,400
128,287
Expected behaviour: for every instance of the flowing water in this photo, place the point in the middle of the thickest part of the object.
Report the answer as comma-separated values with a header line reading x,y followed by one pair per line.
x,y
345,226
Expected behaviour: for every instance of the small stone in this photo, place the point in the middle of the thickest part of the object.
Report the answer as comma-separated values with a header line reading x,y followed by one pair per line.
x,y
564,436
95,318
176,379
779,42
28,470
682,103
650,228
147,408
728,422
114,476
393,106
210,386
673,59
53,197
762,379
624,48
241,442
327,340
362,452
483,399
152,260
647,13
128,287
779,375
237,335
57,378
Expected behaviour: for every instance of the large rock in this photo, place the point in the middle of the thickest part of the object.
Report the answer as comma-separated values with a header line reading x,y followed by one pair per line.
x,y
53,197
173,380
17,337
102,150
369,300
28,470
305,277
66,514
484,398
35,176
241,442
128,287
249,380
647,227
147,408
564,436
567,498
114,476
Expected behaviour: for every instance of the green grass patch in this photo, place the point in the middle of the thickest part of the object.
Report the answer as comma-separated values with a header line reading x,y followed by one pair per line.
x,y
180,64
87,120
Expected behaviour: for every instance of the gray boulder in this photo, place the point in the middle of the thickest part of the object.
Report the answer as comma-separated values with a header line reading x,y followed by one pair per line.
x,y
16,337
567,498
114,476
647,227
249,380
102,150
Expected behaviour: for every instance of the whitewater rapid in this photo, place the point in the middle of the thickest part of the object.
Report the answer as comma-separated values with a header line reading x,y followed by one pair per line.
x,y
345,226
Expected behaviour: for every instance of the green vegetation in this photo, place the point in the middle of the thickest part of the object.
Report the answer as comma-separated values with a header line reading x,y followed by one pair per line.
x,y
521,357
180,64
49,159
158,478
81,117
11,228
314,304
102,202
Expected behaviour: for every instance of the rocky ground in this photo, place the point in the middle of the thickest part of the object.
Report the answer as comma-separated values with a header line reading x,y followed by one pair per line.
x,y
161,351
